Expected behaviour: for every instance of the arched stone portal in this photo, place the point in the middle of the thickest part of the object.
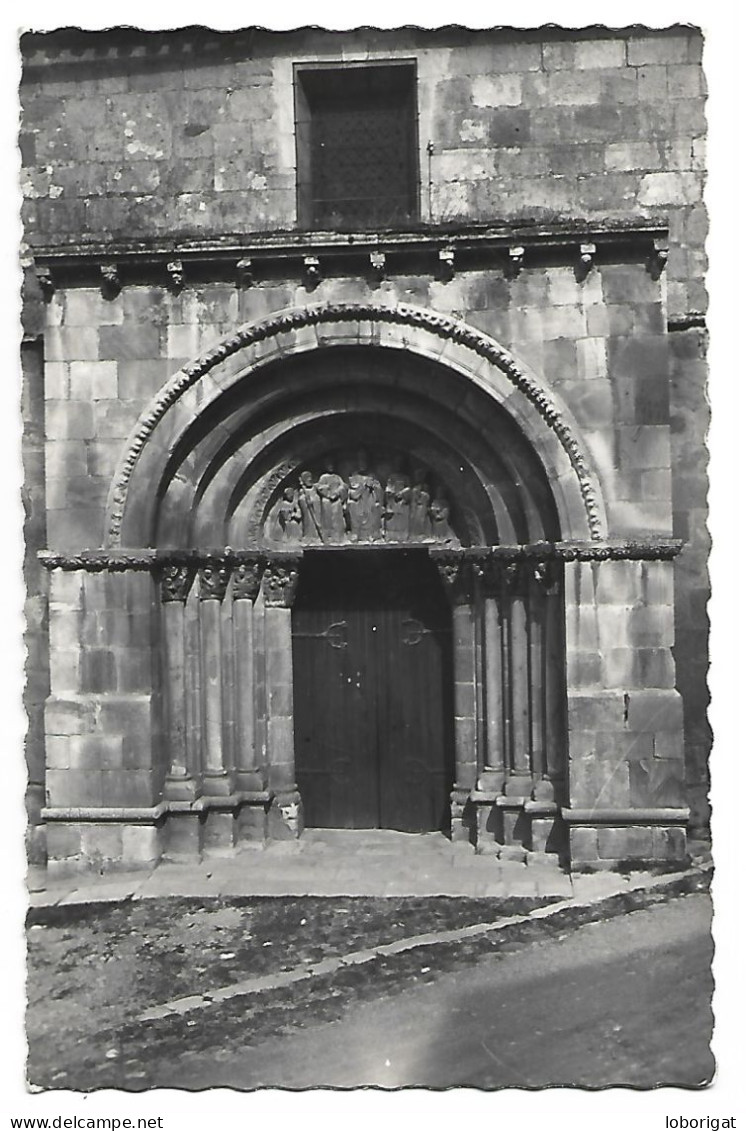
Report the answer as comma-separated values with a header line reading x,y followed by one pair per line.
x,y
345,430
360,449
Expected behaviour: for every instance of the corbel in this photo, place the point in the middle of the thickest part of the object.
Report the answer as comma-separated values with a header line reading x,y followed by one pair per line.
x,y
175,272
311,270
245,272
586,256
516,256
45,281
378,266
446,266
111,284
658,259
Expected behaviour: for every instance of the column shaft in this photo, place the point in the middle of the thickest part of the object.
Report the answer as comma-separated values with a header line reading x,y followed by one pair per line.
x,y
493,676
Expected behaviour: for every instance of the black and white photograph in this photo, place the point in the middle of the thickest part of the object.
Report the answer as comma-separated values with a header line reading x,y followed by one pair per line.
x,y
363,428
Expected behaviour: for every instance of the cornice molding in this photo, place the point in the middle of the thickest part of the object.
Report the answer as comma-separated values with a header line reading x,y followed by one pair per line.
x,y
439,249
445,327
248,562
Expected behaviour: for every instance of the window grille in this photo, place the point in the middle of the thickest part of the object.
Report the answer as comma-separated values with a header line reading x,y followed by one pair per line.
x,y
357,147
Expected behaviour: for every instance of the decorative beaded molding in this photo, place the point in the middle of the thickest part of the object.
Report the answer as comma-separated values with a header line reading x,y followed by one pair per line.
x,y
97,561
404,315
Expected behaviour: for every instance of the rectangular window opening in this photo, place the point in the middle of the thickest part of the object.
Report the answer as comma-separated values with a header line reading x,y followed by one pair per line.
x,y
356,141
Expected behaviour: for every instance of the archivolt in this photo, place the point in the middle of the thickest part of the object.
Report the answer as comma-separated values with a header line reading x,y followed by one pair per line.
x,y
291,322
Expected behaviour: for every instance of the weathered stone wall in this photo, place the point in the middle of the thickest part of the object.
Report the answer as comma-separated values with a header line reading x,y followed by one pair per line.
x,y
530,127
600,343
538,126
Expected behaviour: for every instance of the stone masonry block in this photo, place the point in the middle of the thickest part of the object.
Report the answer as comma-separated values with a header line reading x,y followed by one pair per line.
x,y
65,457
93,380
583,844
69,420
127,715
596,784
657,49
128,787
668,844
657,783
622,156
140,380
142,341
573,88
79,788
655,711
670,188
644,446
101,842
603,711
631,842
66,716
64,670
71,343
63,840
141,844
85,306
95,751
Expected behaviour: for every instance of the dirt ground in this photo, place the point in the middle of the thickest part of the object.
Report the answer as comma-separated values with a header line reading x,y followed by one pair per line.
x,y
92,971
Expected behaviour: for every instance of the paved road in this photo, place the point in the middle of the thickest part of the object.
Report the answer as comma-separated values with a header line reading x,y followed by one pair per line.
x,y
620,1002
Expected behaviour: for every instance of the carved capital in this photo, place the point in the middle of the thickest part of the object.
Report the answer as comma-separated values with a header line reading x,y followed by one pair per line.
x,y
247,577
213,581
446,264
311,270
111,284
515,261
245,272
175,581
513,578
45,281
175,273
586,256
378,266
546,574
280,583
455,574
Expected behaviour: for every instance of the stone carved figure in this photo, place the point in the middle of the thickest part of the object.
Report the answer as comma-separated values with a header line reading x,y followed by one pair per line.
x,y
310,508
440,513
332,492
289,517
420,524
353,505
364,503
398,495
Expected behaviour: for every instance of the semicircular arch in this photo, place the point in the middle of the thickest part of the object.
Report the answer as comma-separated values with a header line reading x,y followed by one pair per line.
x,y
478,373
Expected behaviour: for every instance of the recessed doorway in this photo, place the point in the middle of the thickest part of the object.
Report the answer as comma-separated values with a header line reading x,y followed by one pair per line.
x,y
373,691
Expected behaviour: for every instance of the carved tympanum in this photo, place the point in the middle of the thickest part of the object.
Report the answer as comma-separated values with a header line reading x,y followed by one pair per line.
x,y
358,498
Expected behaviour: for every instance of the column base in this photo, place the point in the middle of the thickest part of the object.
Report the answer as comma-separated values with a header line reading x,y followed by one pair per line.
x,y
285,816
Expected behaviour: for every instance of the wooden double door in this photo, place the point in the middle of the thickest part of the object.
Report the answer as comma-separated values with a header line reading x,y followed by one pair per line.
x,y
373,691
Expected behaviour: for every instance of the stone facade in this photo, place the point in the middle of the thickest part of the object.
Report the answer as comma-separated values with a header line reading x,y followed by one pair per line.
x,y
545,316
